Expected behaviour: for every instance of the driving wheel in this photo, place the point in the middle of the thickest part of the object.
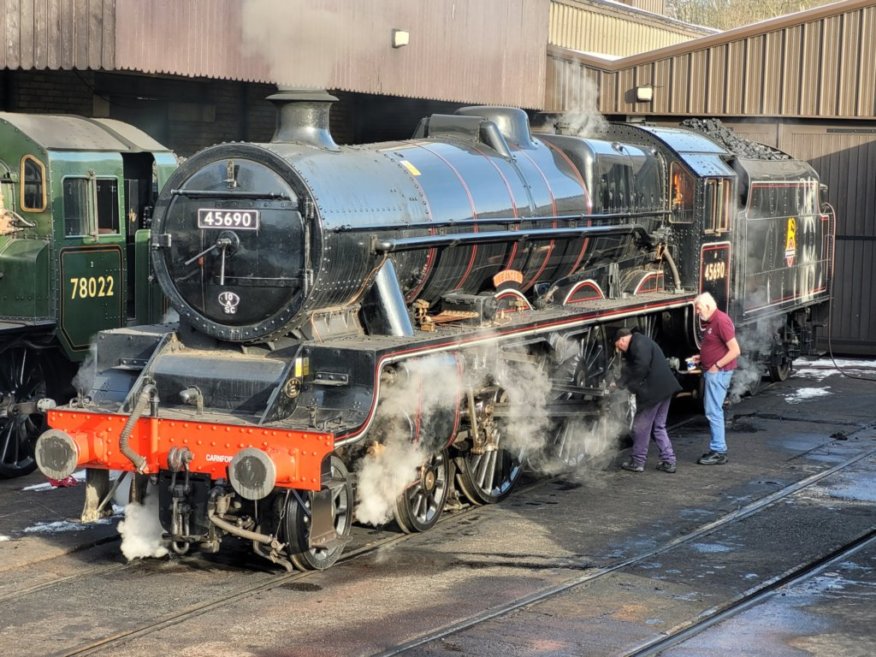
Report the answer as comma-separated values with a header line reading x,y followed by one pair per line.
x,y
419,506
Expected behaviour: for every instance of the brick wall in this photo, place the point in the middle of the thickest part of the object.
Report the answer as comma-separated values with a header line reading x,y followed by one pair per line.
x,y
47,92
187,114
183,114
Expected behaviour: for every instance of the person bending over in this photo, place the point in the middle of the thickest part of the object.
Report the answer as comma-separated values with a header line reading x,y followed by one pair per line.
x,y
646,374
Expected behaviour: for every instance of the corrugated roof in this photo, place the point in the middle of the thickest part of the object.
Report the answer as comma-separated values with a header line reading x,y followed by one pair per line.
x,y
483,51
67,132
612,28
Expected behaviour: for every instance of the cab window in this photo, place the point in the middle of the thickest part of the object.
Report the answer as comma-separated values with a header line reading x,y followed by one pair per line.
x,y
91,206
33,184
717,194
107,205
683,195
76,207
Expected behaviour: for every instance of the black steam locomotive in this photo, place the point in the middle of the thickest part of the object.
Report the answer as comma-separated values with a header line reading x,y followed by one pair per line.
x,y
427,312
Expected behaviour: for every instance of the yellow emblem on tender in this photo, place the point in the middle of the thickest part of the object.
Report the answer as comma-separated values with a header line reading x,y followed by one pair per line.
x,y
791,242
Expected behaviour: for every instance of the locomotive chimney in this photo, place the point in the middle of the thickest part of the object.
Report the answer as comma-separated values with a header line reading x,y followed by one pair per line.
x,y
303,117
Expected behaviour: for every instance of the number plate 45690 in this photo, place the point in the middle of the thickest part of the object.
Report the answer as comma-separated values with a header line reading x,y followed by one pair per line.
x,y
234,219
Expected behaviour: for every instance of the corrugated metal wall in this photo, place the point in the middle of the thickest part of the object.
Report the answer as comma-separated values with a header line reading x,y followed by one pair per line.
x,y
845,156
57,34
600,28
483,51
824,67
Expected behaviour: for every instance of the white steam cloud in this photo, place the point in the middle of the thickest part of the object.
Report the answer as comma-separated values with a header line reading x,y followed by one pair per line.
x,y
83,382
427,385
385,473
580,116
281,33
756,342
141,529
409,429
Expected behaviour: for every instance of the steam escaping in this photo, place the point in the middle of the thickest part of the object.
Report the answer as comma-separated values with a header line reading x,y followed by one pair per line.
x,y
83,382
430,386
141,530
515,392
756,342
280,33
579,93
746,378
587,444
385,473
526,388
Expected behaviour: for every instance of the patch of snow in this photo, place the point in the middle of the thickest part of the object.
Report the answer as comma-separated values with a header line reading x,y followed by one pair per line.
x,y
822,368
829,363
853,492
804,394
710,547
57,527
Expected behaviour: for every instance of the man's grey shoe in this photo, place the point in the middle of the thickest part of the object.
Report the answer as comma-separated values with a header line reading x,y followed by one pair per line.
x,y
632,467
666,466
713,458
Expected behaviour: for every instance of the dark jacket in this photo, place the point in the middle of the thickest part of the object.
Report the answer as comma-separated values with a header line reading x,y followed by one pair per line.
x,y
646,372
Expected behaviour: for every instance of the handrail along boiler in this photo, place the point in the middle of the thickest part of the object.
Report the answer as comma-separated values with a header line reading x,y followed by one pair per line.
x,y
314,283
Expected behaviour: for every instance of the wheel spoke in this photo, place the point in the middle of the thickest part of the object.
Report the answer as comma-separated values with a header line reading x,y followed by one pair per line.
x,y
420,505
6,432
22,368
488,471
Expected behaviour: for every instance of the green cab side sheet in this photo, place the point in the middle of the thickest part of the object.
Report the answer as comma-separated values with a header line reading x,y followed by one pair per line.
x,y
92,293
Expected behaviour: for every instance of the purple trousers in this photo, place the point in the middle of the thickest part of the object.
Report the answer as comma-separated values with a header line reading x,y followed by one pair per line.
x,y
651,423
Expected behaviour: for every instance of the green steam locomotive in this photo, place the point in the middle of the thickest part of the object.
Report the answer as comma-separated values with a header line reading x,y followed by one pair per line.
x,y
76,197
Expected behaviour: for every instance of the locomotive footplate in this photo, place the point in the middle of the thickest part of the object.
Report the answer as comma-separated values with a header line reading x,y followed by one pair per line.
x,y
347,410
450,335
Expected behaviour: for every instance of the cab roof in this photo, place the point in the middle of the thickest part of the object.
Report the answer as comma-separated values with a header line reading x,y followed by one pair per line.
x,y
76,133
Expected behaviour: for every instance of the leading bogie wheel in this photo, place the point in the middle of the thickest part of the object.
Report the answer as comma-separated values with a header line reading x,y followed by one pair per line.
x,y
420,505
298,521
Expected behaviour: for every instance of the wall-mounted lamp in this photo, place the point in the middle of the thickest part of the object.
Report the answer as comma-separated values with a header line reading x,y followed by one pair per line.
x,y
645,93
400,38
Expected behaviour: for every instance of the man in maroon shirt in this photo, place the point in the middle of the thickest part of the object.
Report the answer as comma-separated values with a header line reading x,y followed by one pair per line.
x,y
717,359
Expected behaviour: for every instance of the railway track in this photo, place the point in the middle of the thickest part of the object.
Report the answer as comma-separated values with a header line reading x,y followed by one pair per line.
x,y
253,563
710,617
755,597
267,581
